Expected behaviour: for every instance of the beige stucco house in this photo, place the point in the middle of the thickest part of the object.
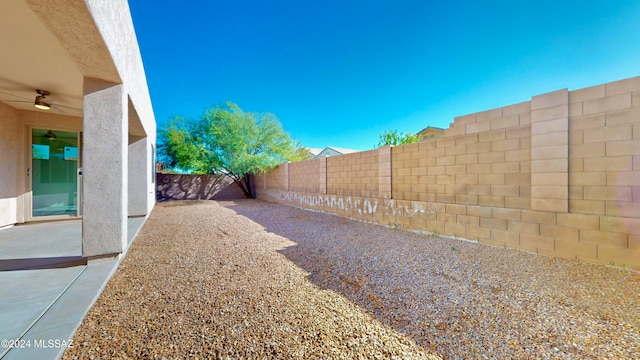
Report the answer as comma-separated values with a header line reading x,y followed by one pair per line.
x,y
77,129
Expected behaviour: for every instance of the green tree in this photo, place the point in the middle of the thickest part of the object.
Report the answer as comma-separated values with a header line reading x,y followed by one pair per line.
x,y
395,138
229,141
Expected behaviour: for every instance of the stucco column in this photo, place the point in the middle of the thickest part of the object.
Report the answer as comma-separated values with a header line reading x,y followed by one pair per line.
x,y
105,171
139,173
550,152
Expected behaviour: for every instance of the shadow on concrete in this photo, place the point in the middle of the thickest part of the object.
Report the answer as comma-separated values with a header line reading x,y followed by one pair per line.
x,y
42,263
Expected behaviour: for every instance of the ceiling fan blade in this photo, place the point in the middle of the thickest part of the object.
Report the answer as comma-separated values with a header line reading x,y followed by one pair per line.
x,y
12,95
65,106
59,109
44,96
15,101
11,85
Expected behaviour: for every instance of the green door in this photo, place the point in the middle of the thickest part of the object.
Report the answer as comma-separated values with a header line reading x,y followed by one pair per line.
x,y
54,180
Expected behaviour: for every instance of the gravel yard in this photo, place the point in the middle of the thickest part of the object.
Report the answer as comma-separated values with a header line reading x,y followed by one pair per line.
x,y
250,279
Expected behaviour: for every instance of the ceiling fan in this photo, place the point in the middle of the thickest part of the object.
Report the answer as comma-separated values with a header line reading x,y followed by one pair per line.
x,y
39,102
42,101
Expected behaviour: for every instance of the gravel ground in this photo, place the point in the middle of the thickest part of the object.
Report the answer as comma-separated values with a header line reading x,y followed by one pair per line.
x,y
249,279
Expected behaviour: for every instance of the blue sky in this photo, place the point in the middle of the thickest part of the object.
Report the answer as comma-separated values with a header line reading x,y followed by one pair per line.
x,y
338,73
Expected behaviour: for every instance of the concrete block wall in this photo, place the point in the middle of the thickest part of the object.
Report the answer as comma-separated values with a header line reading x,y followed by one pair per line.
x,y
196,187
605,149
485,159
278,178
604,163
259,181
353,174
558,175
304,176
473,182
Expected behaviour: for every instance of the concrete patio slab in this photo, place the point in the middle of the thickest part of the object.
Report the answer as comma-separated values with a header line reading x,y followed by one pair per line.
x,y
27,294
52,333
43,304
50,239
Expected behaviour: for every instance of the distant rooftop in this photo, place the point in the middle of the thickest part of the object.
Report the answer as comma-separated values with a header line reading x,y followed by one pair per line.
x,y
314,151
431,128
332,151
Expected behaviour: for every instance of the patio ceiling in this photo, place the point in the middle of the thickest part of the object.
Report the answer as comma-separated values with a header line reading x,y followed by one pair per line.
x,y
33,58
54,45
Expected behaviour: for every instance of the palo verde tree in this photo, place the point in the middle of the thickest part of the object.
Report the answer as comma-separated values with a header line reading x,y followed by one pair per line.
x,y
395,138
228,141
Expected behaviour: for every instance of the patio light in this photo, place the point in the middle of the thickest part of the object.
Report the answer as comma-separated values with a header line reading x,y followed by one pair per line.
x,y
40,104
50,136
